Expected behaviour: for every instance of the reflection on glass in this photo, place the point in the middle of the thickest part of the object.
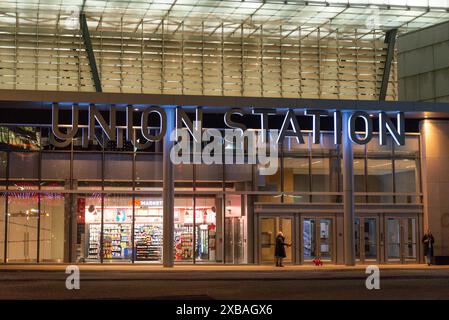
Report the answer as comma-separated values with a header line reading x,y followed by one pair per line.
x,y
309,239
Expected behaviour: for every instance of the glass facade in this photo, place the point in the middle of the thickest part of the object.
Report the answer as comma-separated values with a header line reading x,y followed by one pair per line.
x,y
103,204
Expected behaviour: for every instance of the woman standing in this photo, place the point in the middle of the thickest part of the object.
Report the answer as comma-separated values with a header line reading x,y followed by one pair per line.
x,y
279,251
428,241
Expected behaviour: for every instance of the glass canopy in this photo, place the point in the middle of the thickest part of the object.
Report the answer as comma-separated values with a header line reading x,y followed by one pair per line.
x,y
278,18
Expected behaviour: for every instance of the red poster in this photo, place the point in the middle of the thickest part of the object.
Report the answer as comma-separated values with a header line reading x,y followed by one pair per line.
x,y
81,211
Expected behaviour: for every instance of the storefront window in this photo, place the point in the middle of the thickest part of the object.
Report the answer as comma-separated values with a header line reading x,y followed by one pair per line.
x,y
148,237
205,229
380,180
183,229
117,227
52,224
89,217
23,218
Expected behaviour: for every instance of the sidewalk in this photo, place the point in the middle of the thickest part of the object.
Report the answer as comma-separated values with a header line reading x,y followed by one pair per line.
x,y
139,267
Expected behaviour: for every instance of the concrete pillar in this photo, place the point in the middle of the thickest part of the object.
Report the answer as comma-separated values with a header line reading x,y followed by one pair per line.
x,y
348,193
435,182
168,193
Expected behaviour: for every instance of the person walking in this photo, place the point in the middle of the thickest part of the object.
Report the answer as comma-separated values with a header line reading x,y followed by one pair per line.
x,y
428,240
279,251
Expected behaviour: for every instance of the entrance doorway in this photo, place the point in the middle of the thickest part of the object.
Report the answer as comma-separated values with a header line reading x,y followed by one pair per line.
x,y
269,228
318,238
401,239
366,237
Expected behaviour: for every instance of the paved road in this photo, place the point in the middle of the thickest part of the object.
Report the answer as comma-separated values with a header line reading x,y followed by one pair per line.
x,y
236,284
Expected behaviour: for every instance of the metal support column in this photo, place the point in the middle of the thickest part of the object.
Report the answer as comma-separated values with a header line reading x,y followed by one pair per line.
x,y
90,52
348,193
390,38
168,193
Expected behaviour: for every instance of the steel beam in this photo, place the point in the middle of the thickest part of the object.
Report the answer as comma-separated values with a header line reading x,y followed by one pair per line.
x,y
90,52
390,38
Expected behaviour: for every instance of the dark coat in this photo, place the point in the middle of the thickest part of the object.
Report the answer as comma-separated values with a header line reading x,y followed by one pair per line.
x,y
279,250
428,242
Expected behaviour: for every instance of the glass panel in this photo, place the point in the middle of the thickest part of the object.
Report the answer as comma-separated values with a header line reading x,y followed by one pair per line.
x,y
55,166
22,227
406,176
209,177
267,239
393,239
309,239
325,173
183,174
235,239
239,177
87,166
410,149
370,238
359,178
184,229
326,235
286,226
89,227
380,179
52,235
148,172
410,239
118,213
24,165
297,178
148,229
118,171
206,228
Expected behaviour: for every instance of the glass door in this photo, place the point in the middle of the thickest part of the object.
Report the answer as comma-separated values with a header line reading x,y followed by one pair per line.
x,y
366,239
401,239
318,238
269,227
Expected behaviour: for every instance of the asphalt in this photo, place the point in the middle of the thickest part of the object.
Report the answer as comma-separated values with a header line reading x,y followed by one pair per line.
x,y
223,282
